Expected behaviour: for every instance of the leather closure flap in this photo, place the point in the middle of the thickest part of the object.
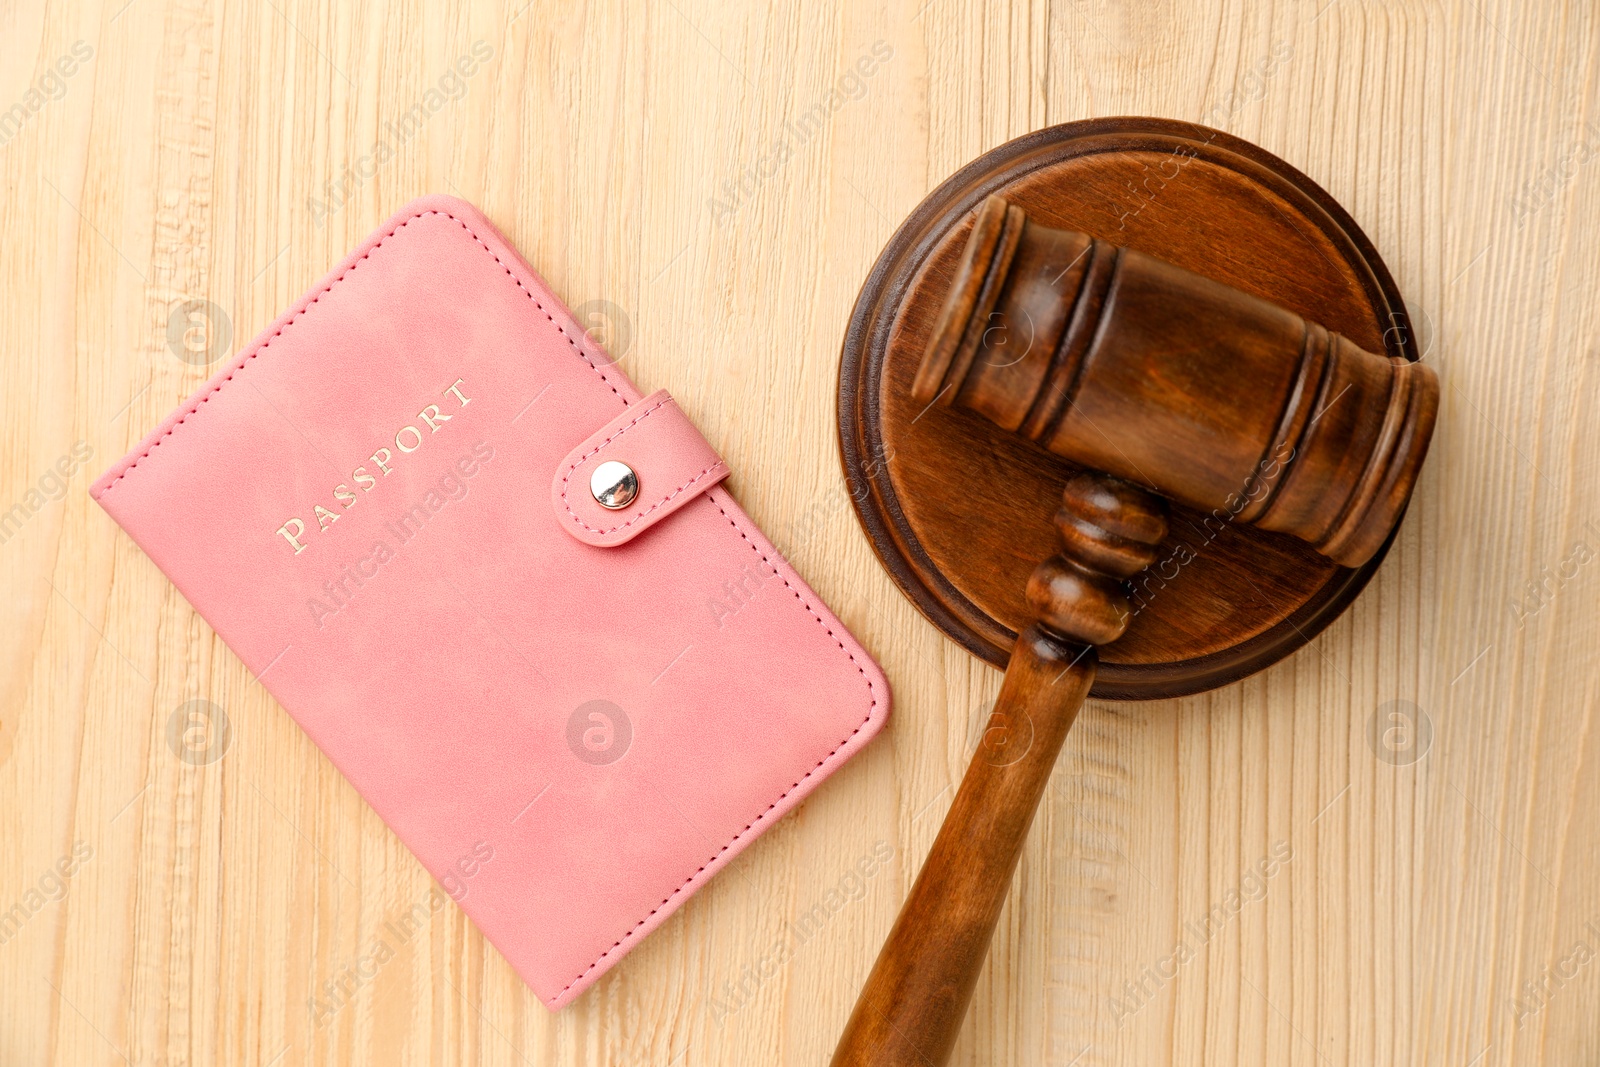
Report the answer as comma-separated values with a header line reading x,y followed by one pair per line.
x,y
670,462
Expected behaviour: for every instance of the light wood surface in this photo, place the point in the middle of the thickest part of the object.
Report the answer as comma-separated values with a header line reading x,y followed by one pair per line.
x,y
1411,897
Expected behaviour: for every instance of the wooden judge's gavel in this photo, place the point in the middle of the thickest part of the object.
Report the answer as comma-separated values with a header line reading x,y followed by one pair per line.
x,y
1159,384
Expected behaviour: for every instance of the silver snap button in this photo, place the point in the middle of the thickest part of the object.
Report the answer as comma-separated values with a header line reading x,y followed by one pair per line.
x,y
613,485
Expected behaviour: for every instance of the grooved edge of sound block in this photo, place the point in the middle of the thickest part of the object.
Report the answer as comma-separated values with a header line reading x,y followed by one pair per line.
x,y
959,510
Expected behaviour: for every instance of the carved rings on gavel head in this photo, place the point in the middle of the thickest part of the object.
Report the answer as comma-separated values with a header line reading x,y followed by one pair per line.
x,y
1158,376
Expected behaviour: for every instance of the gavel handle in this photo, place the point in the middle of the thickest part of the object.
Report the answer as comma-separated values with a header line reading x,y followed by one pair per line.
x,y
913,1004
912,1007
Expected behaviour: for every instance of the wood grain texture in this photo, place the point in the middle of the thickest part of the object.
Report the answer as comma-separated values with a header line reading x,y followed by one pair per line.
x,y
916,998
950,502
683,165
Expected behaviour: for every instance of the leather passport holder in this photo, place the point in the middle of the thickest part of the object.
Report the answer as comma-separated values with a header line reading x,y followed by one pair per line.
x,y
574,715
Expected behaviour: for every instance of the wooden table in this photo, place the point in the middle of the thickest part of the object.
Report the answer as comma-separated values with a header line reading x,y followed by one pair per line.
x,y
1380,851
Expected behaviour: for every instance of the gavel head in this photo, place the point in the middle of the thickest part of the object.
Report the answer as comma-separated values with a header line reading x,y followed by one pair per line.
x,y
1128,365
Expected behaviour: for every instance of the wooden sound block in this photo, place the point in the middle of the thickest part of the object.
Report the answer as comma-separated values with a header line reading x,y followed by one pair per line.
x,y
960,510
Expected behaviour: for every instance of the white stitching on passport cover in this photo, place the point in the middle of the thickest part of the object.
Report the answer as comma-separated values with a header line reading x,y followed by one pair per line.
x,y
328,289
567,478
872,690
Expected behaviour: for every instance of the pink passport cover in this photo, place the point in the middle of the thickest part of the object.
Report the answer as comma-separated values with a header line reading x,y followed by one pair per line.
x,y
608,705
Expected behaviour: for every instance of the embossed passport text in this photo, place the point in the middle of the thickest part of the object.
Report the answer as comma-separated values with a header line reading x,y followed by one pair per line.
x,y
382,505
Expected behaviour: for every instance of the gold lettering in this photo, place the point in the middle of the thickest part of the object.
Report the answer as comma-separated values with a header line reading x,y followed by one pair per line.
x,y
406,440
291,532
431,416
